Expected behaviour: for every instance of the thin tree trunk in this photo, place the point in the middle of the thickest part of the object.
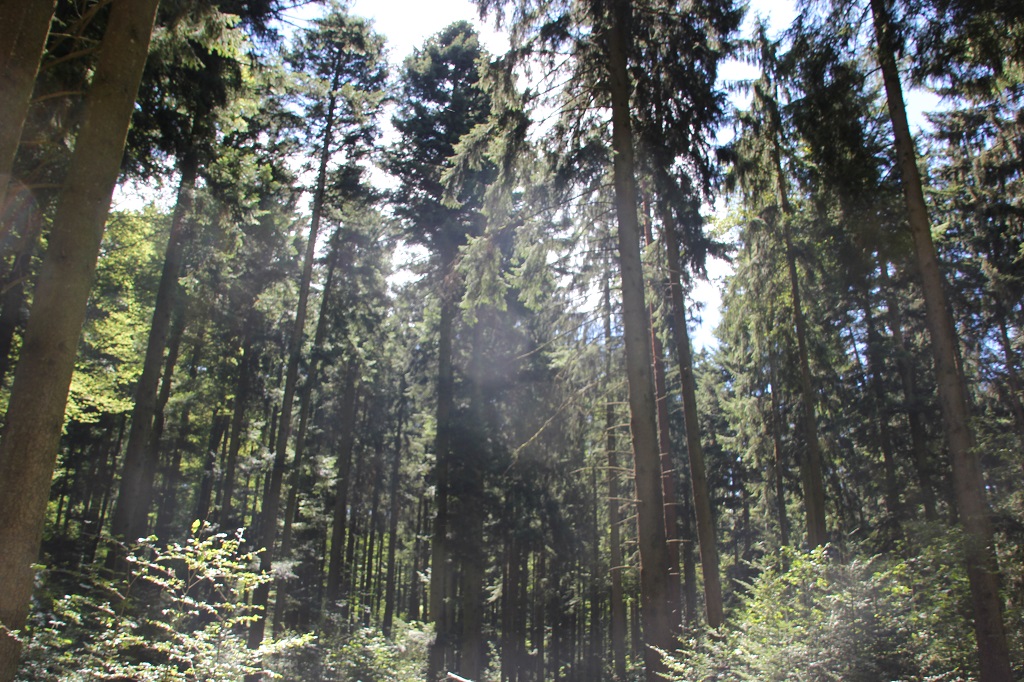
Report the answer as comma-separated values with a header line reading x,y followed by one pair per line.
x,y
618,603
654,559
272,501
706,537
305,407
918,436
242,390
883,434
131,515
395,508
345,446
779,455
12,297
439,609
26,23
982,567
35,413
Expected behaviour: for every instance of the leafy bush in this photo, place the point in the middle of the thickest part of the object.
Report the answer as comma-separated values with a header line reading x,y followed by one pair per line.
x,y
809,617
180,615
367,655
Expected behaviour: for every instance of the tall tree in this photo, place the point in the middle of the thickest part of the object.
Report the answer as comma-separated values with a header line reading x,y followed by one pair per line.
x,y
982,567
441,103
35,414
344,56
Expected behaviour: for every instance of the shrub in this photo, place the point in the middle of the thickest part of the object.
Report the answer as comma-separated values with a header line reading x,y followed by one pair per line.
x,y
180,615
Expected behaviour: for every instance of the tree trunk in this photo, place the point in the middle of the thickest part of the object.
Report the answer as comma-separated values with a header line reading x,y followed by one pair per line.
x,y
242,388
272,502
131,514
654,560
22,43
706,538
982,567
305,408
35,413
779,455
918,435
395,508
349,405
440,608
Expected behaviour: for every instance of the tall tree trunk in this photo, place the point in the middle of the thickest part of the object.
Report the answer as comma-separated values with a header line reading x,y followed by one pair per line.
x,y
394,509
654,560
440,569
305,408
12,296
35,413
272,501
713,603
779,455
22,43
883,434
813,478
349,405
617,625
243,383
131,514
911,401
982,567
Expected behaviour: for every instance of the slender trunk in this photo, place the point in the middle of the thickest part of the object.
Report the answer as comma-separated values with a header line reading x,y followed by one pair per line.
x,y
206,484
811,464
305,408
654,560
242,390
617,625
395,508
912,406
440,608
131,515
706,539
22,43
35,413
779,455
668,468
982,567
272,501
883,434
814,487
349,408
12,297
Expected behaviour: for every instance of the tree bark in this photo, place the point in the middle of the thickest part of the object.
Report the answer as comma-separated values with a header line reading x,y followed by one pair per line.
x,y
131,514
22,44
39,393
439,607
242,388
982,567
654,559
272,501
617,624
706,537
394,509
349,409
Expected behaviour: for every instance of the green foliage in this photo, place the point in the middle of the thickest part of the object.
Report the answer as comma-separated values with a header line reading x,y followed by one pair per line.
x,y
118,317
181,614
369,656
808,616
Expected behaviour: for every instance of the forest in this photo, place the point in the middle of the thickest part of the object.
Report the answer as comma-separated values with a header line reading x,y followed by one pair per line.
x,y
383,367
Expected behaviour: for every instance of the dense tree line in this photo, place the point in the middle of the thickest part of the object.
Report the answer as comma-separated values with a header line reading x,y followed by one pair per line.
x,y
400,384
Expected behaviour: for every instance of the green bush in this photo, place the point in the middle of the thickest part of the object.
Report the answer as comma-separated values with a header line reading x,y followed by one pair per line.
x,y
366,655
180,615
809,617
